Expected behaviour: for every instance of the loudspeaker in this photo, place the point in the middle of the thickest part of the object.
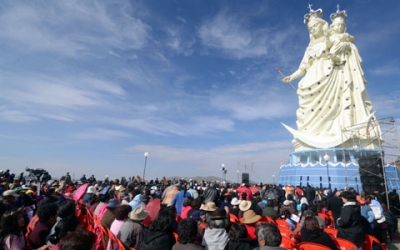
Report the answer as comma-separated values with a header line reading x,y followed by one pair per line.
x,y
245,178
371,174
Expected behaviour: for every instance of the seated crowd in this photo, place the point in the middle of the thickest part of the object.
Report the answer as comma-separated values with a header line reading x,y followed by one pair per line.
x,y
185,215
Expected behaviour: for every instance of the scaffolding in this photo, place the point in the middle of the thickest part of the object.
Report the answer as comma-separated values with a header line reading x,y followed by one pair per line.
x,y
380,134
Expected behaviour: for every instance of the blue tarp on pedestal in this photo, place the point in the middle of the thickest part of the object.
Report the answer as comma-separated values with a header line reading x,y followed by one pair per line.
x,y
340,174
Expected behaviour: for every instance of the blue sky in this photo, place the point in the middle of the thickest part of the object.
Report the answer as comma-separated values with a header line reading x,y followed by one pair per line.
x,y
89,86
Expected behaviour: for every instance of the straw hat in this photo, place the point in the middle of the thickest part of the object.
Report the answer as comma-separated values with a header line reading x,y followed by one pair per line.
x,y
209,206
138,214
235,201
250,217
244,205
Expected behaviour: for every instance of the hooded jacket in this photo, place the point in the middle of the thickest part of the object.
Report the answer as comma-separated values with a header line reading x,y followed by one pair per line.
x,y
350,223
215,239
156,240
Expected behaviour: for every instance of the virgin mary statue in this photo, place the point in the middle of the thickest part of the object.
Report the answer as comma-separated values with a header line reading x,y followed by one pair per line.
x,y
334,107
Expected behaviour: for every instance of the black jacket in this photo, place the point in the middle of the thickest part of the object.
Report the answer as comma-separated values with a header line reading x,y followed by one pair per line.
x,y
317,236
350,223
157,240
241,245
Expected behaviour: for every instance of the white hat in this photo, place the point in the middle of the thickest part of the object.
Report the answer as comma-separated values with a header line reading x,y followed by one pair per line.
x,y
235,201
244,205
91,190
10,193
286,203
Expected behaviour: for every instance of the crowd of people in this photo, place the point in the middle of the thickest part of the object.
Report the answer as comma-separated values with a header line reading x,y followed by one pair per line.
x,y
184,214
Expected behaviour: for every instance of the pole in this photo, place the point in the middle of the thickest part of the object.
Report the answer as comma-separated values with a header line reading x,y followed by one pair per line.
x,y
280,72
327,172
144,170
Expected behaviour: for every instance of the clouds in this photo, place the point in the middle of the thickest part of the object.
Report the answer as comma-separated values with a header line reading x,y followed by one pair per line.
x,y
229,34
34,96
262,156
101,134
72,28
93,84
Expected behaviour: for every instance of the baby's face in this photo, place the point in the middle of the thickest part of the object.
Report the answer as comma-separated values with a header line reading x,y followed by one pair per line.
x,y
339,27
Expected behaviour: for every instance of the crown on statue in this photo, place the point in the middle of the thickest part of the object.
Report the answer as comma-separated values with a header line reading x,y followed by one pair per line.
x,y
339,15
312,15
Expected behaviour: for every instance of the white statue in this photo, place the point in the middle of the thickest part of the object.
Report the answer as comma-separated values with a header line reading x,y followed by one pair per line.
x,y
332,95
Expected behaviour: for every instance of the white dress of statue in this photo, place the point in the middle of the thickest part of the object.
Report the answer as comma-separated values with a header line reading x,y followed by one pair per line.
x,y
334,107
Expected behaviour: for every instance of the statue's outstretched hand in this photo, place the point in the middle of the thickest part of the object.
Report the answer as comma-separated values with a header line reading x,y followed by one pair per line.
x,y
287,79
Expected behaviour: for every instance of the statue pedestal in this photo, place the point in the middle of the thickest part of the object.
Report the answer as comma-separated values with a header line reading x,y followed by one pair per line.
x,y
345,167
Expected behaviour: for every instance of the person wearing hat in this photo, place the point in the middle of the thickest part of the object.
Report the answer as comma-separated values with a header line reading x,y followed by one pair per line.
x,y
9,197
90,192
244,205
234,209
269,210
288,205
250,218
121,191
215,235
152,207
131,232
208,208
350,221
109,214
248,205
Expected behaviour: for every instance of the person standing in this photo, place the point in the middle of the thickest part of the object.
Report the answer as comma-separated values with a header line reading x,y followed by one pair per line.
x,y
350,221
335,205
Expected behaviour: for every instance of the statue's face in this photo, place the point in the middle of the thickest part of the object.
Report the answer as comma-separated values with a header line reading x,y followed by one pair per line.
x,y
338,27
315,28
